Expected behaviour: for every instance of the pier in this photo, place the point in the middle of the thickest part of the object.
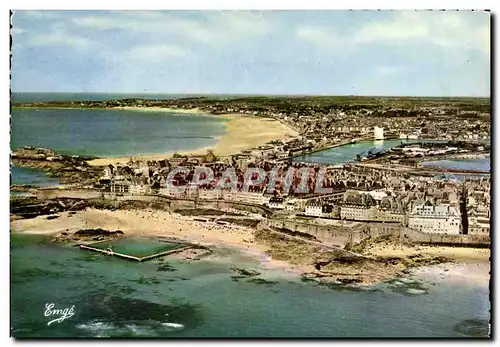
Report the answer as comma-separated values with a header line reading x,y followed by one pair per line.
x,y
109,251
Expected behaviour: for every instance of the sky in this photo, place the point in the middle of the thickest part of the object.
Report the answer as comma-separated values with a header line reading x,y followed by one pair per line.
x,y
406,53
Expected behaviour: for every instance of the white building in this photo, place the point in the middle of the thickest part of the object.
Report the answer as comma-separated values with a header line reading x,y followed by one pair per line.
x,y
276,203
108,171
479,226
290,205
139,189
209,194
249,197
439,219
378,133
313,209
378,195
359,213
120,187
176,192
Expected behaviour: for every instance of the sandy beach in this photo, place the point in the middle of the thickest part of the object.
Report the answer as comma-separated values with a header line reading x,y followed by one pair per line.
x,y
150,223
147,223
242,132
162,109
136,223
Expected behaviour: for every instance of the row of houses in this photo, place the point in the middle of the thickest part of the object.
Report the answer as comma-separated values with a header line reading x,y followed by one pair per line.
x,y
427,217
478,199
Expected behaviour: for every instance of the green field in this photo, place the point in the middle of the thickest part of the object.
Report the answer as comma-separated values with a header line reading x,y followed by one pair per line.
x,y
137,247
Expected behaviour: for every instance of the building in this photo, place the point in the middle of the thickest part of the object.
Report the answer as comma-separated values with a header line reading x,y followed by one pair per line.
x,y
479,226
435,218
108,171
357,212
313,209
120,187
209,194
378,133
139,189
276,203
248,197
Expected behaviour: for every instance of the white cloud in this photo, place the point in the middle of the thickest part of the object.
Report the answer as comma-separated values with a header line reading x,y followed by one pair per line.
x,y
327,38
60,38
441,28
216,27
17,31
450,30
388,70
156,53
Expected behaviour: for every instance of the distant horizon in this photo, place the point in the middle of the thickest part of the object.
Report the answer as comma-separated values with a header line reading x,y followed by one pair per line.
x,y
263,94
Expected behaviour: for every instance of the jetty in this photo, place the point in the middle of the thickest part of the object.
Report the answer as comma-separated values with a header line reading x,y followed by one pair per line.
x,y
109,251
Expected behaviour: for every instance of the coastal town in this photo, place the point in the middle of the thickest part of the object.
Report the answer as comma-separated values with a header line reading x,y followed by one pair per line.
x,y
376,193
232,173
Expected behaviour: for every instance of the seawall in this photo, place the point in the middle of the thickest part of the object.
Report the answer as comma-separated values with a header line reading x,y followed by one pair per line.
x,y
340,235
337,235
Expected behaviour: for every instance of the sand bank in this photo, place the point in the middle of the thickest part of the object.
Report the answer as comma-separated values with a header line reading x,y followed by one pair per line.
x,y
242,132
162,109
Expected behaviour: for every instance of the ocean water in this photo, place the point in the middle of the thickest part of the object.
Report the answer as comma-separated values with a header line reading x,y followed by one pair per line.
x,y
36,177
96,132
346,153
168,297
40,97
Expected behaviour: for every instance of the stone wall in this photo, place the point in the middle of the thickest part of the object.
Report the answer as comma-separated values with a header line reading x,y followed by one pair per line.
x,y
330,234
172,203
340,235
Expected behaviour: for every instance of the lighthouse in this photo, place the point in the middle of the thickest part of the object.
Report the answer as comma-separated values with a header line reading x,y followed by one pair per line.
x,y
378,133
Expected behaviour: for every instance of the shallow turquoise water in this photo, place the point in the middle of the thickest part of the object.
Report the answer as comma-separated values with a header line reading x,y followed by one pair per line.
x,y
343,154
118,298
99,132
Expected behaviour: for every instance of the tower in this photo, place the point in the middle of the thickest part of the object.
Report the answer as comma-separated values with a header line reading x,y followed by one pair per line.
x,y
378,133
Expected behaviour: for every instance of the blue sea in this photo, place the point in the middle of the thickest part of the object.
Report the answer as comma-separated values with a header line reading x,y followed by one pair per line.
x,y
173,298
36,177
97,132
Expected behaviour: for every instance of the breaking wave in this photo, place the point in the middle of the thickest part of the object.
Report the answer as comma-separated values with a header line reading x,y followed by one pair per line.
x,y
129,329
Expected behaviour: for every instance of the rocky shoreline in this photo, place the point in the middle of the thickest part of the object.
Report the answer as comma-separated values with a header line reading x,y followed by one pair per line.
x,y
68,169
328,266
